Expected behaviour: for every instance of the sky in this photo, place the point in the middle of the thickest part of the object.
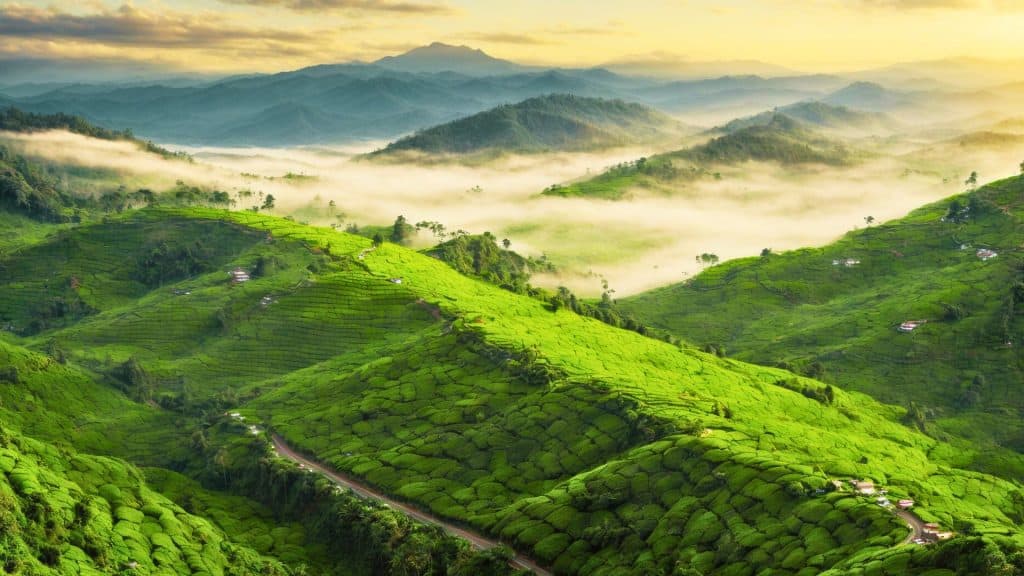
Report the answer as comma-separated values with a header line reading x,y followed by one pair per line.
x,y
221,36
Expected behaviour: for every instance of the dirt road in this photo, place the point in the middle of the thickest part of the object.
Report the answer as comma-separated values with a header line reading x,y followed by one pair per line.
x,y
478,541
913,522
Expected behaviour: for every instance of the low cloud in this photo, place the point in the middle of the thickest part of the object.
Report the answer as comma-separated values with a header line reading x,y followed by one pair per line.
x,y
647,241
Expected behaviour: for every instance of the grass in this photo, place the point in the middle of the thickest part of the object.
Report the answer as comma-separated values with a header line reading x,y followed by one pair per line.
x,y
594,449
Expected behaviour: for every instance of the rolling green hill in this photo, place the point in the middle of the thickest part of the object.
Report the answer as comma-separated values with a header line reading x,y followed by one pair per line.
x,y
818,114
557,122
593,449
782,140
810,310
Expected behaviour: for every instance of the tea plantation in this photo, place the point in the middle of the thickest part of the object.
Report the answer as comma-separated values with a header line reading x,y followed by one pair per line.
x,y
68,513
835,313
592,449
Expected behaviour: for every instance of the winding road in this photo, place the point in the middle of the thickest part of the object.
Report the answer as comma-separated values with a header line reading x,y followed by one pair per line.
x,y
520,561
478,541
915,524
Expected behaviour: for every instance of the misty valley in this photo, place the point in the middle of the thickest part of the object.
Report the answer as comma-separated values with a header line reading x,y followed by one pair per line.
x,y
434,312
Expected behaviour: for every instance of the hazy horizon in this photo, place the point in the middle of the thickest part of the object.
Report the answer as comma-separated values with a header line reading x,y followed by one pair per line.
x,y
248,36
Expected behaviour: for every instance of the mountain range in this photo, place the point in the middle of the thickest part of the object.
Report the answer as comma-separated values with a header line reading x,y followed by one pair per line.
x,y
398,95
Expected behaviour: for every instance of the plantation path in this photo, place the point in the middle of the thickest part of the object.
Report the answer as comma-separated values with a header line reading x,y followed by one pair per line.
x,y
478,541
916,525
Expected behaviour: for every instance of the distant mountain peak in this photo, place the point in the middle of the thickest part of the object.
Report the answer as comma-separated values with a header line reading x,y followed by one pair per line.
x,y
446,48
441,57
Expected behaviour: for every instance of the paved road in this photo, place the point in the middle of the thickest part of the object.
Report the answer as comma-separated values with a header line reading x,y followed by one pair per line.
x,y
915,524
518,561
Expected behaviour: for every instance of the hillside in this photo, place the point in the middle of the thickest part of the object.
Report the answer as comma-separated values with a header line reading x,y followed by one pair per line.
x,y
809,310
870,96
557,122
783,141
592,449
820,115
15,120
68,513
993,140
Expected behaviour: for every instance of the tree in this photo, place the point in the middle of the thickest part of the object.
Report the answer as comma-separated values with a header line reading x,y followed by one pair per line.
x,y
972,395
400,230
955,208
766,252
268,202
1022,167
506,243
869,220
972,181
9,374
377,239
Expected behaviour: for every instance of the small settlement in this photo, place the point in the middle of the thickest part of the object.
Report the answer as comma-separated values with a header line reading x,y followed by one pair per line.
x,y
911,325
985,254
927,534
238,275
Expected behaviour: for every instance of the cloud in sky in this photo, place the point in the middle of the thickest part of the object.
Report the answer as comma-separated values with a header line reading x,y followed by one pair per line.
x,y
401,7
129,25
274,35
544,36
525,39
998,5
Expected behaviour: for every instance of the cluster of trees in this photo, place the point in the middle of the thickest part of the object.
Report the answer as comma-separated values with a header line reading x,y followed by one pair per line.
x,y
26,187
171,262
826,395
959,213
482,257
606,310
58,309
133,380
439,231
708,259
973,392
